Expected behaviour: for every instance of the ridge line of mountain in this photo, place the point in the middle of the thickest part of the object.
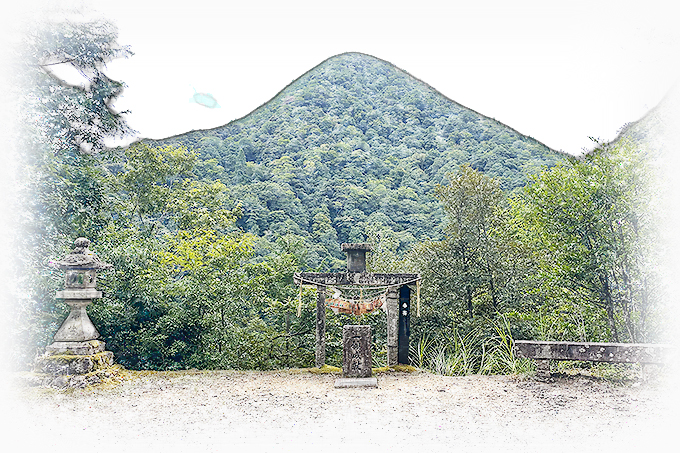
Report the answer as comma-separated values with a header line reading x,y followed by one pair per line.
x,y
264,104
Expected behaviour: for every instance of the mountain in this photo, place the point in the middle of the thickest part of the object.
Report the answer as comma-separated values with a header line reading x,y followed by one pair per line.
x,y
658,134
659,129
354,148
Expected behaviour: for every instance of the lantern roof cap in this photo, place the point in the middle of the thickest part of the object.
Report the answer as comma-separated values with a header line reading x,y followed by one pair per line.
x,y
81,258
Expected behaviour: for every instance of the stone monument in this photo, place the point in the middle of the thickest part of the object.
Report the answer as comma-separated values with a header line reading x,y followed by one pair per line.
x,y
77,356
356,339
356,351
356,276
357,360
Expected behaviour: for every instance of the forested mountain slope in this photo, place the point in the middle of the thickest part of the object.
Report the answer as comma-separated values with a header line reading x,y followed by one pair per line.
x,y
659,129
352,149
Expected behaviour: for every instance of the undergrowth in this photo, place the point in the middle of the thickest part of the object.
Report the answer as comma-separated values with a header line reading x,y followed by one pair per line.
x,y
473,353
612,372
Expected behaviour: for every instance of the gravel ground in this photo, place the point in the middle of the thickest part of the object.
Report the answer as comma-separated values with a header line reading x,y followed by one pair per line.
x,y
298,411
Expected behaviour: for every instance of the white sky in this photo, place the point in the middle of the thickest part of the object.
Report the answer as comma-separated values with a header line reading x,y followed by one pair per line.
x,y
557,72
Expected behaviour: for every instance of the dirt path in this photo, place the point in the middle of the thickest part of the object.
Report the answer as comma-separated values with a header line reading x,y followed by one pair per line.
x,y
298,411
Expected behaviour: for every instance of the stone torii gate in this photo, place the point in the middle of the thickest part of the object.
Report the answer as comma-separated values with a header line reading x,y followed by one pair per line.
x,y
397,300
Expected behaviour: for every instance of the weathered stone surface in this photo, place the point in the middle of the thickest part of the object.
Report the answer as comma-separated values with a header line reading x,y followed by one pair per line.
x,y
356,382
76,347
354,278
595,352
70,381
86,293
81,258
356,353
68,364
356,256
320,352
77,326
543,369
392,303
364,246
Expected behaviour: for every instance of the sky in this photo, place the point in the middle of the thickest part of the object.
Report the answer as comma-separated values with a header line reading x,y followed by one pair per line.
x,y
561,72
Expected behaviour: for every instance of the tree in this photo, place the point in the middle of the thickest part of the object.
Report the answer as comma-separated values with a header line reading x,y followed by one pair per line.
x,y
68,117
474,268
466,265
593,231
150,178
187,289
67,123
62,193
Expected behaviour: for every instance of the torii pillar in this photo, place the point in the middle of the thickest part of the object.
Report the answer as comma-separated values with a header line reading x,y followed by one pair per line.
x,y
356,275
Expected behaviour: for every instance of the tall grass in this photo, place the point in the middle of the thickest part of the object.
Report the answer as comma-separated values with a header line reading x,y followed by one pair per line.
x,y
500,358
470,354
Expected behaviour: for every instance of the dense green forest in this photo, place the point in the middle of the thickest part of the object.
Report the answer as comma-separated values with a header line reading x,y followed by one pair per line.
x,y
352,147
206,229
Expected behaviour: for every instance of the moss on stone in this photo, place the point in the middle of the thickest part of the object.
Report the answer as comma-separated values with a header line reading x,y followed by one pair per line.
x,y
395,368
326,369
64,357
98,357
404,368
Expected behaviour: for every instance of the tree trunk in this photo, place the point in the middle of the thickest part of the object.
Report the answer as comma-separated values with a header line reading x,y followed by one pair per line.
x,y
609,304
492,289
612,321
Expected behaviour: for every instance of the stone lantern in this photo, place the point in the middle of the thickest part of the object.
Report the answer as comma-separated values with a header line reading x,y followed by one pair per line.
x,y
80,272
77,349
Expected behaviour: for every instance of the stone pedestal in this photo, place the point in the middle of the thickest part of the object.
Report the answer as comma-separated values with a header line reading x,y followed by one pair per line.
x,y
357,360
77,357
543,369
76,347
74,364
77,327
349,383
71,364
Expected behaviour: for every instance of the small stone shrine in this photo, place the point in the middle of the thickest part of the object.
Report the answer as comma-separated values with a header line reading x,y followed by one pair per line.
x,y
357,339
77,357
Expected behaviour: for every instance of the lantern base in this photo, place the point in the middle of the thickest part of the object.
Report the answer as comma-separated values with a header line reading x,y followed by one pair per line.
x,y
109,374
74,370
68,364
74,364
76,347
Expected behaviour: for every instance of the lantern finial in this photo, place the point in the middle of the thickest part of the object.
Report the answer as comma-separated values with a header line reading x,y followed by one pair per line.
x,y
81,257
